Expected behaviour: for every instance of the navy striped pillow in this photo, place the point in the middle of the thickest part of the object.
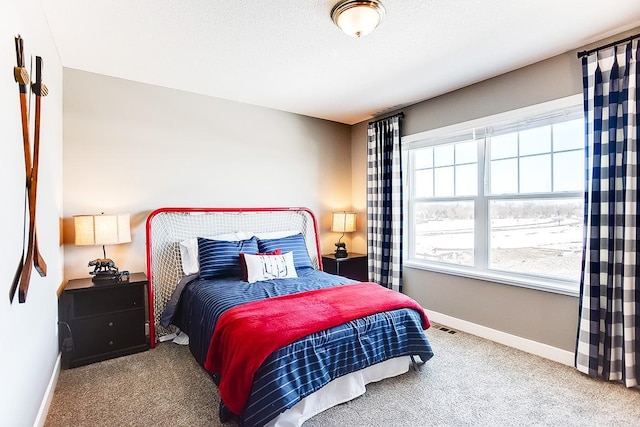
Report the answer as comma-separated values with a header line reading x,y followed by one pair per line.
x,y
221,258
294,243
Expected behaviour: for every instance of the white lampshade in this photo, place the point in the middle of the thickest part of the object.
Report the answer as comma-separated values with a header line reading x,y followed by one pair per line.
x,y
102,229
358,18
344,222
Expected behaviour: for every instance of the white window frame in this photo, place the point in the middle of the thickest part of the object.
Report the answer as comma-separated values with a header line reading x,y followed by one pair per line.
x,y
465,131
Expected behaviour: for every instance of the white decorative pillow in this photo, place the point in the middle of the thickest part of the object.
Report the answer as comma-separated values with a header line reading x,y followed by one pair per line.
x,y
189,249
267,267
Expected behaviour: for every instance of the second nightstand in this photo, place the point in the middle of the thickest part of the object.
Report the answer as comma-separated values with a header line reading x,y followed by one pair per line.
x,y
99,322
353,266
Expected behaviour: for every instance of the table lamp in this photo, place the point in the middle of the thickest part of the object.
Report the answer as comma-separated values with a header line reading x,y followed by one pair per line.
x,y
102,230
343,222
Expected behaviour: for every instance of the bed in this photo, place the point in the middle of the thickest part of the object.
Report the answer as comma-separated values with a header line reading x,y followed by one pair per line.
x,y
282,339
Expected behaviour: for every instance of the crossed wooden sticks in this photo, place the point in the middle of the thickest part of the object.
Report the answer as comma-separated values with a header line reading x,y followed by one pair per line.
x,y
23,272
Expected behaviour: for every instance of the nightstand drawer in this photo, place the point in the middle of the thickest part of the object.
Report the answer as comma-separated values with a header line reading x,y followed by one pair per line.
x,y
105,334
104,300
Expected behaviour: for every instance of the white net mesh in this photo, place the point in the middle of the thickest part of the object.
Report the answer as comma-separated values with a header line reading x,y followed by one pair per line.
x,y
166,229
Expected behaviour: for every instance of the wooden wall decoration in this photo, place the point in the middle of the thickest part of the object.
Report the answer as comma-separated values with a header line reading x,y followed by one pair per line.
x,y
31,257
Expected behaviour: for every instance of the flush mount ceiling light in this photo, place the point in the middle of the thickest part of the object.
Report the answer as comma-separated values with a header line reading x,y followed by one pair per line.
x,y
358,18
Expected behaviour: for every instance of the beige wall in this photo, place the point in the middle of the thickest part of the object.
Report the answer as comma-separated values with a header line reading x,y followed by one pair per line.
x,y
132,147
540,316
29,345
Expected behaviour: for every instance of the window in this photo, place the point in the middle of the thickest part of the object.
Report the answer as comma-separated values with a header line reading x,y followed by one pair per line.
x,y
500,198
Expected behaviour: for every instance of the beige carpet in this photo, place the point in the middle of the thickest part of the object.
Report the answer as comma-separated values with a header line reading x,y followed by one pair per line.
x,y
469,382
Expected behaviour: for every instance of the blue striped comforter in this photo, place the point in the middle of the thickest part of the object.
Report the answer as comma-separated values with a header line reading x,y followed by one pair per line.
x,y
299,369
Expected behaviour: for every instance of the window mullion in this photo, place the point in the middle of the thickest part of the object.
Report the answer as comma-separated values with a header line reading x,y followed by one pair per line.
x,y
481,234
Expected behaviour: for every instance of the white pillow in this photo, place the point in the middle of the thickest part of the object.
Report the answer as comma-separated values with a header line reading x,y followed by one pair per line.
x,y
275,234
267,267
189,249
189,256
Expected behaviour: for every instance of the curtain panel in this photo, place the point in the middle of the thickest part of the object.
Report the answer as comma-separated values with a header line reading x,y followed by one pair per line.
x,y
384,203
608,341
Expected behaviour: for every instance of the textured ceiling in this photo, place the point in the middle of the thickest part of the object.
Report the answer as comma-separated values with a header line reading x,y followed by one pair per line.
x,y
288,54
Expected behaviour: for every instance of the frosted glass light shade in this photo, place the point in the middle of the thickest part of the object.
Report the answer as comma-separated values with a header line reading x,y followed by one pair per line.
x,y
358,18
343,222
102,229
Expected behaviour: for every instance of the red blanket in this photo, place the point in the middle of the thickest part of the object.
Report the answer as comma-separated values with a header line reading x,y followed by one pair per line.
x,y
246,335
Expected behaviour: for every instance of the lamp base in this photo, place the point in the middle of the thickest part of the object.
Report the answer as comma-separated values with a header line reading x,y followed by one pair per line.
x,y
104,278
341,250
104,271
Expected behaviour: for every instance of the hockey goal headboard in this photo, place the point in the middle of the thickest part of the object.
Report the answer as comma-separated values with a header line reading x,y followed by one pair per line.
x,y
167,227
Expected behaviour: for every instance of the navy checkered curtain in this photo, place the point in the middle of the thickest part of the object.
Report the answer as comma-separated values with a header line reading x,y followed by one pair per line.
x,y
384,203
608,344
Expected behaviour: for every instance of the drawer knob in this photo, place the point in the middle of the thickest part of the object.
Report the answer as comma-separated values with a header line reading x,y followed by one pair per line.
x,y
110,342
110,323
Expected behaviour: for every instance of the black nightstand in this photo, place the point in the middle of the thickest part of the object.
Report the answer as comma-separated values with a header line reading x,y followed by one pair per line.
x,y
99,322
353,266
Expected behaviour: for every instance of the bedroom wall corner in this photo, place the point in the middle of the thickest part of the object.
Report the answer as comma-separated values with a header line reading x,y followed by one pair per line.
x,y
30,345
359,184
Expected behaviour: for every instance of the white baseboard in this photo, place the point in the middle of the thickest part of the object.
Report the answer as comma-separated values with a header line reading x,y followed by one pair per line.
x,y
543,350
48,394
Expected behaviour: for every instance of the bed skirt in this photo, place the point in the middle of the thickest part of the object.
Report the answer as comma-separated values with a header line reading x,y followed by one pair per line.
x,y
339,391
